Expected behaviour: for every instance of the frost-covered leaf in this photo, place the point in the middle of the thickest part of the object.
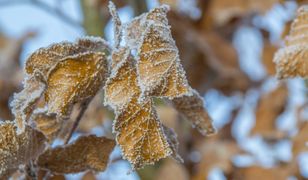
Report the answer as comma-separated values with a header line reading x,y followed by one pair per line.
x,y
140,134
159,70
46,123
270,106
44,59
75,79
192,108
86,153
291,60
67,70
23,102
17,149
138,130
121,86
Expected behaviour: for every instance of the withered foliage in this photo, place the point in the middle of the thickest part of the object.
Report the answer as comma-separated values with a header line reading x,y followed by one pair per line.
x,y
86,153
18,149
154,72
66,74
154,78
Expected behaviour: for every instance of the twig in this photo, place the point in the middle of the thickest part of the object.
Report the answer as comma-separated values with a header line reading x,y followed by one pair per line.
x,y
55,11
83,108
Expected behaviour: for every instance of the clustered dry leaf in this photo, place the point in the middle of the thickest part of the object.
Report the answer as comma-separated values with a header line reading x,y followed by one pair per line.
x,y
154,72
65,74
144,69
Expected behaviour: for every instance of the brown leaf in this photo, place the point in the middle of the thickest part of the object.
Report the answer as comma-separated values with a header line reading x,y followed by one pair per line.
x,y
71,72
121,85
138,130
44,59
159,69
17,149
270,106
46,123
192,108
75,79
23,102
291,60
86,153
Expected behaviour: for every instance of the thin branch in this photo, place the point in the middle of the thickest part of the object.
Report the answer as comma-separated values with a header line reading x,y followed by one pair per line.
x,y
41,5
83,108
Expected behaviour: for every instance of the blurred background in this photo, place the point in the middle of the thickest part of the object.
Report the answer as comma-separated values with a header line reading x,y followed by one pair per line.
x,y
226,48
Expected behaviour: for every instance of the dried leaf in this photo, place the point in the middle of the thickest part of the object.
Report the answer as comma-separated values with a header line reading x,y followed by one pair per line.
x,y
270,106
192,108
68,70
23,102
159,69
140,134
291,60
121,86
75,79
46,123
17,149
138,130
44,59
86,153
